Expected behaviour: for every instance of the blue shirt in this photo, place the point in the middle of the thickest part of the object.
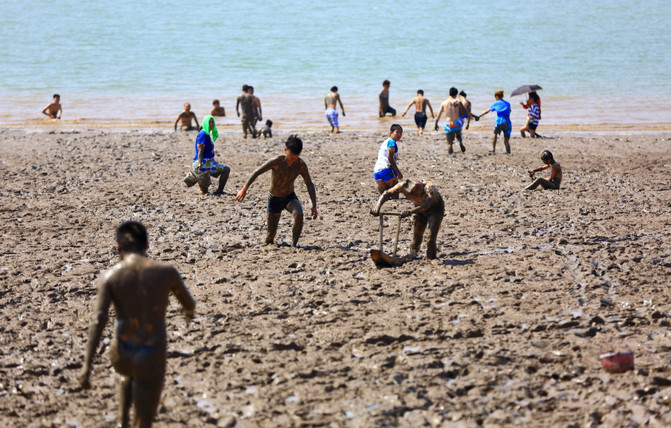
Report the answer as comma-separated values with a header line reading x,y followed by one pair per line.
x,y
204,138
502,109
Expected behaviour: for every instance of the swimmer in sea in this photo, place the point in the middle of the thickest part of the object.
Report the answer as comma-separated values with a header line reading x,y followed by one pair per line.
x,y
54,109
138,288
186,117
285,169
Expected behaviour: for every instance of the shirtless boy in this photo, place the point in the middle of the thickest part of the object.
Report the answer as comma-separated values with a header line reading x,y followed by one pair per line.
x,y
553,182
454,110
420,104
53,109
385,171
185,118
217,109
467,116
429,209
139,288
285,169
331,113
256,108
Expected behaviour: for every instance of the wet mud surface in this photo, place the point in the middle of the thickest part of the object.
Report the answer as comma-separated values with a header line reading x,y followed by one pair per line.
x,y
505,328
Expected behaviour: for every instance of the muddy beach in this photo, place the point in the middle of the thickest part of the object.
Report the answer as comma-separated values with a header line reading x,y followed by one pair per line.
x,y
505,328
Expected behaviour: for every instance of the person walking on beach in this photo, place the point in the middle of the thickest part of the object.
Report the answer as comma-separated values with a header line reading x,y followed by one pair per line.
x,y
553,181
429,210
467,105
533,107
331,113
454,111
246,102
285,169
386,172
217,109
204,164
258,114
420,104
186,117
503,123
383,98
138,288
54,108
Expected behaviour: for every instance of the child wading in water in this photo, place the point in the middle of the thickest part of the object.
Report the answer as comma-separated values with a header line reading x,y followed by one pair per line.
x,y
553,182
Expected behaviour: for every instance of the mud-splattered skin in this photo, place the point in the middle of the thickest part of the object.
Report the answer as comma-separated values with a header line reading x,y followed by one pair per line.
x,y
139,289
429,210
285,169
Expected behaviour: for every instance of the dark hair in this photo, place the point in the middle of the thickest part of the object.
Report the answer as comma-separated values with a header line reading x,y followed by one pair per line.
x,y
131,236
454,91
534,96
462,93
56,95
245,87
547,156
294,144
419,91
215,102
250,88
386,82
269,123
334,89
394,127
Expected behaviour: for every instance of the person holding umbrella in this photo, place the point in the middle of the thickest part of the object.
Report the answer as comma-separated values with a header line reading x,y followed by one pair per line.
x,y
533,107
503,124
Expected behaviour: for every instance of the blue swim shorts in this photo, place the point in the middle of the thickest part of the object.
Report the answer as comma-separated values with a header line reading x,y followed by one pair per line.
x,y
332,116
453,126
505,127
385,174
210,166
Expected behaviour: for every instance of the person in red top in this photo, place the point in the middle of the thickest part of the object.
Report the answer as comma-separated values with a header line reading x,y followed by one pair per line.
x,y
533,105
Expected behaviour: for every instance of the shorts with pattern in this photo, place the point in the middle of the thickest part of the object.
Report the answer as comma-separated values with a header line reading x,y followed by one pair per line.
x,y
332,116
210,166
451,126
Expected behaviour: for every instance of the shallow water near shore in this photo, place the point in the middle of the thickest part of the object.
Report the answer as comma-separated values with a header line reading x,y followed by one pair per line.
x,y
129,64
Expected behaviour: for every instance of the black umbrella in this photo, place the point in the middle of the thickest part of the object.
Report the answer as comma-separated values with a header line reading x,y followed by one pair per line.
x,y
525,89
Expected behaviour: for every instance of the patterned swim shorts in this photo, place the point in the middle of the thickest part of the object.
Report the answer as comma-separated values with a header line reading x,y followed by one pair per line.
x,y
210,166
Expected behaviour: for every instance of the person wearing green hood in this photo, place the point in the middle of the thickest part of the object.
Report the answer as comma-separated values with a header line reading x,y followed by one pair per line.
x,y
204,164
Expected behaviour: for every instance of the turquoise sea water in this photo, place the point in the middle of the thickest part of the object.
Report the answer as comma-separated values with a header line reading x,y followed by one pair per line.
x,y
124,61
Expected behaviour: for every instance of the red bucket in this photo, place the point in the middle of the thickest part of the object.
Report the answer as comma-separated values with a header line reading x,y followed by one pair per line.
x,y
617,362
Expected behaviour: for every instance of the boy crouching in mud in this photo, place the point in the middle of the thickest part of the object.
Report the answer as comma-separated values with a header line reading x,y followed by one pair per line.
x,y
429,209
553,182
285,169
139,288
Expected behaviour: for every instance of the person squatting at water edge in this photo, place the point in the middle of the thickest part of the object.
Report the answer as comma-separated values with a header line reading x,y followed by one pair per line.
x,y
138,288
204,165
385,171
454,110
503,123
554,180
429,210
533,107
186,117
285,169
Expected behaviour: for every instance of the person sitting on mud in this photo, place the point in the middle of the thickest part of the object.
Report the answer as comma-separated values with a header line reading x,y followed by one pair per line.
x,y
186,117
553,182
204,164
429,209
139,288
285,169
386,172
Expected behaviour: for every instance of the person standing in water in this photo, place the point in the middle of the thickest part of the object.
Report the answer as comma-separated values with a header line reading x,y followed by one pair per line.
x,y
331,113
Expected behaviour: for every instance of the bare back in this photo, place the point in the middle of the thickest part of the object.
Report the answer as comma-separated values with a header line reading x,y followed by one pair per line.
x,y
420,104
139,289
330,100
453,109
